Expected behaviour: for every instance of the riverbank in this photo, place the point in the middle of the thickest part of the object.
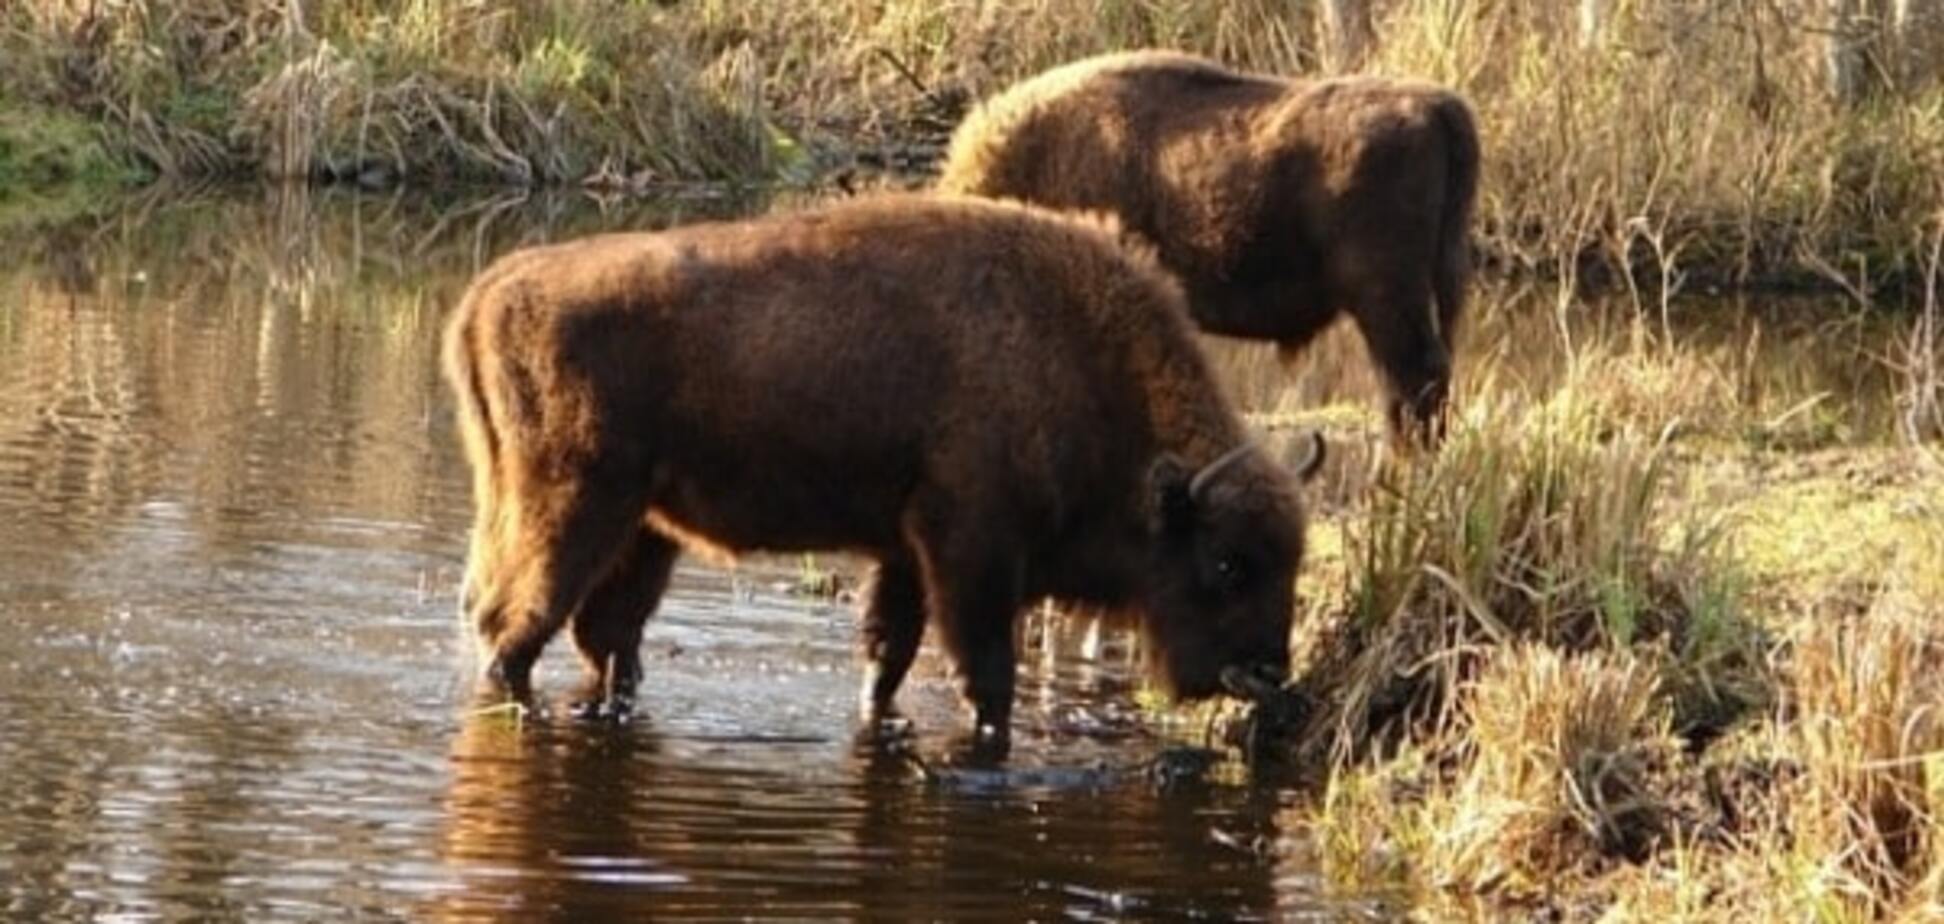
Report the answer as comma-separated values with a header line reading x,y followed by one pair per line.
x,y
1689,148
1657,636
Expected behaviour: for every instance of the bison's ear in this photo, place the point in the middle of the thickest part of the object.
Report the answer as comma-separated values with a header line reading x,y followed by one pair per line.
x,y
1172,507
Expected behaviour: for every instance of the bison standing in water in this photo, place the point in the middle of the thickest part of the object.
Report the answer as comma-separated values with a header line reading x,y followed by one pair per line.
x,y
994,402
1281,204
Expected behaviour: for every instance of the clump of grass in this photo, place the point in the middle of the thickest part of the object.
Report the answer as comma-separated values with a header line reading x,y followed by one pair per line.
x,y
1867,728
1546,693
1538,521
1557,775
1562,749
1532,642
526,93
42,148
1562,788
1847,821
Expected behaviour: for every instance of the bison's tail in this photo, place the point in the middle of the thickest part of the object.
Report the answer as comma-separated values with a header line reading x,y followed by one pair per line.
x,y
1451,269
460,361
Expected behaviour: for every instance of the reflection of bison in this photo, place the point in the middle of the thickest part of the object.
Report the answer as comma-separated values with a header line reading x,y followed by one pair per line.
x,y
994,402
1280,203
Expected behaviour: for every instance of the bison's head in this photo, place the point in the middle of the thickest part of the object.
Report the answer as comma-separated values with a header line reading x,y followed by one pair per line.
x,y
1228,541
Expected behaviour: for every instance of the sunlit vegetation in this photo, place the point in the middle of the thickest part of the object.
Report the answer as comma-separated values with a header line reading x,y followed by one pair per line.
x,y
1653,636
1690,143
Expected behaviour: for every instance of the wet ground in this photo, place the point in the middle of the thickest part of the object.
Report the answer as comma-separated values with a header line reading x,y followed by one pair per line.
x,y
233,682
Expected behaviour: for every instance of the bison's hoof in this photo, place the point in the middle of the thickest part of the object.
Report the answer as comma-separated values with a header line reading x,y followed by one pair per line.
x,y
890,725
989,743
511,678
886,733
614,710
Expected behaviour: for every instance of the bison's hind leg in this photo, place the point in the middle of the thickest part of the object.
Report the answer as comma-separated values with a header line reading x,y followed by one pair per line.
x,y
893,625
607,626
564,535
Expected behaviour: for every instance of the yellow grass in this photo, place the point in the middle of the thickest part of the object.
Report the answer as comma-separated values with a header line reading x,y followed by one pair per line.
x,y
1691,143
1620,651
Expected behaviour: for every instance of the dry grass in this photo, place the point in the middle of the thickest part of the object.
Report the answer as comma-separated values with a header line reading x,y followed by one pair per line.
x,y
1563,668
1556,777
1870,737
1562,748
1844,819
1567,794
1541,520
1695,142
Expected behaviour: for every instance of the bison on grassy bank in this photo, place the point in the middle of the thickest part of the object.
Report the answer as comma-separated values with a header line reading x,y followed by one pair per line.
x,y
1281,203
994,402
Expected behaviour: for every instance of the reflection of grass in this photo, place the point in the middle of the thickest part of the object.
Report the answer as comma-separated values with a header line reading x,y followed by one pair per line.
x,y
509,714
24,212
398,258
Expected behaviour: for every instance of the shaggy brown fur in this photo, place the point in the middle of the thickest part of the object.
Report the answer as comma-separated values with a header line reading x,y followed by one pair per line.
x,y
1282,204
994,402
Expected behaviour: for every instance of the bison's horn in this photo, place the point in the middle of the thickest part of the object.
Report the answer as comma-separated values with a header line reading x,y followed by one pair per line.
x,y
1307,464
1209,471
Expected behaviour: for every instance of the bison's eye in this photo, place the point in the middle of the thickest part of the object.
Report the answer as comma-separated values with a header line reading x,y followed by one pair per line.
x,y
1231,572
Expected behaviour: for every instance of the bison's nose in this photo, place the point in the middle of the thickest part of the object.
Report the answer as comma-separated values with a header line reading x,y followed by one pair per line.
x,y
1259,682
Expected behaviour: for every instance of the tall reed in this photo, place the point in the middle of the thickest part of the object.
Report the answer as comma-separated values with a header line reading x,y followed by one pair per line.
x,y
1691,142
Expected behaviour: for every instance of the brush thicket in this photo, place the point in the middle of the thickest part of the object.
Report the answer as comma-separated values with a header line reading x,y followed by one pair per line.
x,y
1685,140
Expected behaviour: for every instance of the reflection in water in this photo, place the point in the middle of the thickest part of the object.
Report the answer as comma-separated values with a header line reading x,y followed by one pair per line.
x,y
231,517
570,824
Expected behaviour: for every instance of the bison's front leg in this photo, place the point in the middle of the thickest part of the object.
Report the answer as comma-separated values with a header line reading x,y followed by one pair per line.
x,y
607,627
894,623
972,590
980,638
1410,350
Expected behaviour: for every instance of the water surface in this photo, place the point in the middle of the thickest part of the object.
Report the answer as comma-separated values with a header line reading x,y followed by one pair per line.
x,y
232,681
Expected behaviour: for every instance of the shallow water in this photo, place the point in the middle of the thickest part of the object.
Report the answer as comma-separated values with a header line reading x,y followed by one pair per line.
x,y
232,681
